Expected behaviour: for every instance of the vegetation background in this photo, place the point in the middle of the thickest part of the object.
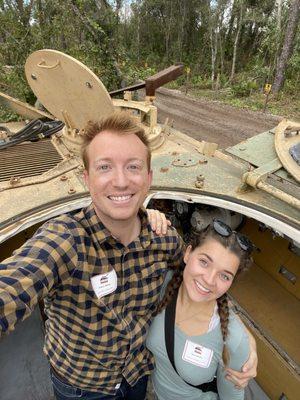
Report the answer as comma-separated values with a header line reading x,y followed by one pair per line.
x,y
231,48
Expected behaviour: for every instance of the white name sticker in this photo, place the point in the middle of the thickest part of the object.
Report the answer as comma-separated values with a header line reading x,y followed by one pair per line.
x,y
105,283
196,354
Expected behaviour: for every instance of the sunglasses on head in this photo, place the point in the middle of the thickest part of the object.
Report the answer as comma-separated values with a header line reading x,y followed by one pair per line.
x,y
224,230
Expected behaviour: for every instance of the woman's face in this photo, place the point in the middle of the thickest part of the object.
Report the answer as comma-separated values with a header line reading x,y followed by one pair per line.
x,y
209,271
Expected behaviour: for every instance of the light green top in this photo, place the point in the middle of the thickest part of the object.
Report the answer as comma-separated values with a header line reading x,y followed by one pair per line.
x,y
166,382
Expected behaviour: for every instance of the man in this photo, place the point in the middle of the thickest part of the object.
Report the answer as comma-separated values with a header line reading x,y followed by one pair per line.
x,y
100,271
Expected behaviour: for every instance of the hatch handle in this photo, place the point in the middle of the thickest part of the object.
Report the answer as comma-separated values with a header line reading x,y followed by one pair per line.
x,y
42,64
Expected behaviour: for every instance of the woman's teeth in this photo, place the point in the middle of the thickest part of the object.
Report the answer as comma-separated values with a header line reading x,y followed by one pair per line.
x,y
202,287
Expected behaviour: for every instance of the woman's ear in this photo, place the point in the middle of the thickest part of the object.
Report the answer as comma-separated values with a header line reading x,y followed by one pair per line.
x,y
187,254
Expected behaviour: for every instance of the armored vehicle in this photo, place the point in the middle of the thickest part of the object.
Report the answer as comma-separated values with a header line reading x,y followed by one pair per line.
x,y
252,186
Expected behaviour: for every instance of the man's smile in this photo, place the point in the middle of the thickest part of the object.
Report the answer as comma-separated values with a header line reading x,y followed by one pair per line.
x,y
121,198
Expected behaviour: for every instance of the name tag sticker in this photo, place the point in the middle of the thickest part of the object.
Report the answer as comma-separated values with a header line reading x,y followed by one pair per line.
x,y
105,283
196,354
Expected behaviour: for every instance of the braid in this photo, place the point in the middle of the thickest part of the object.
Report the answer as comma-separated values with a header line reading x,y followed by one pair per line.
x,y
223,311
172,286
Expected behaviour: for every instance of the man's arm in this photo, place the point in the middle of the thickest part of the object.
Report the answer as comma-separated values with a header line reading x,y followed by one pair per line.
x,y
29,274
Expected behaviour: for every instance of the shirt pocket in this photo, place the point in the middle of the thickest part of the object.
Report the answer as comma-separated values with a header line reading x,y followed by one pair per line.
x,y
156,270
150,282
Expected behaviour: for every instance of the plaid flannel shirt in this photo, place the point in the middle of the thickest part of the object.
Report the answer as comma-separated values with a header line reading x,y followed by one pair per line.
x,y
91,342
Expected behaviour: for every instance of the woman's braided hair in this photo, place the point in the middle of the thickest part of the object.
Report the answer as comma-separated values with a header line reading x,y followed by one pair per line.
x,y
230,243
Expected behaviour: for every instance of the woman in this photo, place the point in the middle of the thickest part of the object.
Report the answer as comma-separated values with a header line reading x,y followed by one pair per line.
x,y
207,335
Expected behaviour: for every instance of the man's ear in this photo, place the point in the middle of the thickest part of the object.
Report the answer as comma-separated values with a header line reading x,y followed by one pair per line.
x,y
187,254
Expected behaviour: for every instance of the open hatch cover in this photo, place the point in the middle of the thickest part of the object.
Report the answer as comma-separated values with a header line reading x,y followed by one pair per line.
x,y
67,88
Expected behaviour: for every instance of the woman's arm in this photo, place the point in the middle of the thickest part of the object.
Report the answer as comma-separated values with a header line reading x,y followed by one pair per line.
x,y
227,388
249,369
158,221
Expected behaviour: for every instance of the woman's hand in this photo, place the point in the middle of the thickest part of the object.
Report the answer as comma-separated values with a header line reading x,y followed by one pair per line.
x,y
249,369
158,221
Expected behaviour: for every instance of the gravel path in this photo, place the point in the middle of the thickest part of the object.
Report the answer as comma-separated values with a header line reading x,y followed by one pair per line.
x,y
210,120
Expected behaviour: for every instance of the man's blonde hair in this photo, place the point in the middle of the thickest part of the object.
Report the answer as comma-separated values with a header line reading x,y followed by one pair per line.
x,y
119,122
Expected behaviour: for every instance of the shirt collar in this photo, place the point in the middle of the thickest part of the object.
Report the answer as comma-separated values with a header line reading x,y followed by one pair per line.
x,y
100,231
146,231
103,234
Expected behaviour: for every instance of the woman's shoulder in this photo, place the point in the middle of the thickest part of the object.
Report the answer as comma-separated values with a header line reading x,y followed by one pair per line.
x,y
167,279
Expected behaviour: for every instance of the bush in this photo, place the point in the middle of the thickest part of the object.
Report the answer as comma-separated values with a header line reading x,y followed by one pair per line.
x,y
244,89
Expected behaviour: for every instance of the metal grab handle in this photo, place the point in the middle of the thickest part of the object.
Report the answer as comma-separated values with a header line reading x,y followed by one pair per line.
x,y
42,65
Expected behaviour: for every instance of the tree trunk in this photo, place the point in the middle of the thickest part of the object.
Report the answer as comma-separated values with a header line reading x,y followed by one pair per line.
x,y
288,45
279,12
239,26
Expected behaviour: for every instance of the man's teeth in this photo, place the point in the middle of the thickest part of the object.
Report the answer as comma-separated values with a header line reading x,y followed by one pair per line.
x,y
120,198
202,287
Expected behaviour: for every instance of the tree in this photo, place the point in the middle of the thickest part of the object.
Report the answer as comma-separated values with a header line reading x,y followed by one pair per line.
x,y
288,45
237,36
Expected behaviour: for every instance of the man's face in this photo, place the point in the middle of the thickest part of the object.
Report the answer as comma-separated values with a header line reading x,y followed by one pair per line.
x,y
118,177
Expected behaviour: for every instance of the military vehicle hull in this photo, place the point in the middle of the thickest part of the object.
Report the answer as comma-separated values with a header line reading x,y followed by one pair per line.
x,y
253,186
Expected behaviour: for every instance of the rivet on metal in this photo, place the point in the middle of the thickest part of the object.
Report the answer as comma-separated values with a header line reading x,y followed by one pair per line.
x,y
71,191
89,85
199,183
63,178
200,178
164,169
34,77
14,180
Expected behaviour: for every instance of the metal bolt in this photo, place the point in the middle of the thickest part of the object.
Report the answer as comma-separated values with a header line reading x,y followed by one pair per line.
x,y
200,178
63,178
71,191
14,180
33,76
199,184
164,169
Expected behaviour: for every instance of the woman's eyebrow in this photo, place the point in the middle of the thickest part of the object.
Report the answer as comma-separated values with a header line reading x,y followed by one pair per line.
x,y
229,272
206,255
211,260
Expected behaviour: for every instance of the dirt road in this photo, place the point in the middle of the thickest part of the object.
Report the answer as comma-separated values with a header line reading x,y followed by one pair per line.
x,y
210,120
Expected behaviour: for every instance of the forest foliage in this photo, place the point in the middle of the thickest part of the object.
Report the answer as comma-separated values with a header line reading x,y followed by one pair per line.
x,y
234,45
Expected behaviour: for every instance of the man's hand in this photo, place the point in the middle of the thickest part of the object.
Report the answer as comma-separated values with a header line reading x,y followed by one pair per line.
x,y
158,221
249,369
